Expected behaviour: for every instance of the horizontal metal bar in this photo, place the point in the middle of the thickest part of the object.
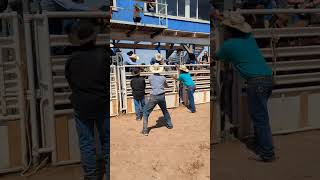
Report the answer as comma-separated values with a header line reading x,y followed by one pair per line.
x,y
278,11
68,14
292,51
62,40
282,132
287,32
296,65
10,117
11,170
298,89
8,15
63,112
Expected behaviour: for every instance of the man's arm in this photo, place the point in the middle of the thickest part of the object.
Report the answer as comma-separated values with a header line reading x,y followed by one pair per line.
x,y
72,6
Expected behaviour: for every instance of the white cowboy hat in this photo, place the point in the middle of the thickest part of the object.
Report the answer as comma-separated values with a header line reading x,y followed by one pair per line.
x,y
111,45
158,57
134,56
184,68
156,68
235,20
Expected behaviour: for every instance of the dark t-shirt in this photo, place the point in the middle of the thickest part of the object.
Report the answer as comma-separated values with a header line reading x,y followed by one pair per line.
x,y
138,85
87,73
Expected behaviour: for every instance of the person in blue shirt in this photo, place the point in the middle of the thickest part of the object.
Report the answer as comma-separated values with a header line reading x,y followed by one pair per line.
x,y
186,79
241,50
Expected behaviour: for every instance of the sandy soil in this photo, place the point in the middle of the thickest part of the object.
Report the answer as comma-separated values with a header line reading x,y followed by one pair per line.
x,y
181,153
298,160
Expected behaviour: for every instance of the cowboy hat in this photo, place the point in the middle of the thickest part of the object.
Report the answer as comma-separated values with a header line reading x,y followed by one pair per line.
x,y
156,68
134,56
136,72
82,32
158,57
111,45
236,21
183,68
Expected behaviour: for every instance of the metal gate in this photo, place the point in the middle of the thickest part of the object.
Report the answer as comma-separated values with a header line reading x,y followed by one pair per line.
x,y
13,151
200,74
296,65
57,125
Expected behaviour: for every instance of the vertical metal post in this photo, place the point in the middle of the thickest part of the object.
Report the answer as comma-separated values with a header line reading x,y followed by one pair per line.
x,y
21,99
32,92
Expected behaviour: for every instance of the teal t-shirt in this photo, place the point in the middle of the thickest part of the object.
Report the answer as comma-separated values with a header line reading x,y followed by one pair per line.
x,y
246,57
186,79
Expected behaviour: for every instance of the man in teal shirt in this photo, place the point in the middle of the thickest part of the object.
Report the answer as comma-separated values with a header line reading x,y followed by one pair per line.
x,y
186,79
241,50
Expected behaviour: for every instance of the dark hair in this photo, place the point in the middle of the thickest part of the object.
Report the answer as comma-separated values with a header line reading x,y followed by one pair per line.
x,y
235,33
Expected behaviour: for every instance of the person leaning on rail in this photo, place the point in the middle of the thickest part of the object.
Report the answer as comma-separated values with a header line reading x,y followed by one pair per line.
x,y
241,50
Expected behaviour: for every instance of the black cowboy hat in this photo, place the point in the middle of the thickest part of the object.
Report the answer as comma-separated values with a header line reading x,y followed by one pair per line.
x,y
82,32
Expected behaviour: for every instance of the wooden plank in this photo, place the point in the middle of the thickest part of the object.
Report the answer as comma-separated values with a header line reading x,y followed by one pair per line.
x,y
115,107
62,138
4,150
130,105
212,119
14,136
74,151
303,111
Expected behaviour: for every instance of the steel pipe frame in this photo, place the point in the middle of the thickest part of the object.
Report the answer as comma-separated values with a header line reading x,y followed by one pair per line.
x,y
14,43
277,11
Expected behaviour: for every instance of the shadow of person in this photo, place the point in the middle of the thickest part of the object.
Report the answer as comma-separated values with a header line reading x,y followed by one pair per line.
x,y
160,123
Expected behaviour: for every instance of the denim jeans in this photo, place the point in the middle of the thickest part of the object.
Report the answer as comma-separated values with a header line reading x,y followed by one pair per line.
x,y
191,90
87,142
153,101
138,106
258,92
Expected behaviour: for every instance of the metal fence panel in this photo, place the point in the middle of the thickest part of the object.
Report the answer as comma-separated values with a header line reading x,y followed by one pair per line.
x,y
12,100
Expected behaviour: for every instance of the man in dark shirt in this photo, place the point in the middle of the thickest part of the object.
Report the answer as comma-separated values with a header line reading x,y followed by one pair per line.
x,y
87,74
138,86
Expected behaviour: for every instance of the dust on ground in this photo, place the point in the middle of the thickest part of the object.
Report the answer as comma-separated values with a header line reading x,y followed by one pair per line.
x,y
298,160
181,153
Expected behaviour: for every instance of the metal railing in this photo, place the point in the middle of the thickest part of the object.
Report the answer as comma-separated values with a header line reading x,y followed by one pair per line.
x,y
12,97
161,13
55,107
200,74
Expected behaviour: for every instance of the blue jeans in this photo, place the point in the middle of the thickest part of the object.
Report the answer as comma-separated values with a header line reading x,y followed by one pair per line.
x,y
87,142
138,106
258,92
153,101
191,90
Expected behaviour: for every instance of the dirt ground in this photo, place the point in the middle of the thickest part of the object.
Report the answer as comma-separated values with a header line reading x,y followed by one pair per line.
x,y
182,153
298,160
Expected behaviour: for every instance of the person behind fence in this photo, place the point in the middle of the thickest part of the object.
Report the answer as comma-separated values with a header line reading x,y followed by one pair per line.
x,y
157,59
241,50
86,72
157,97
186,79
132,60
138,85
174,59
205,59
